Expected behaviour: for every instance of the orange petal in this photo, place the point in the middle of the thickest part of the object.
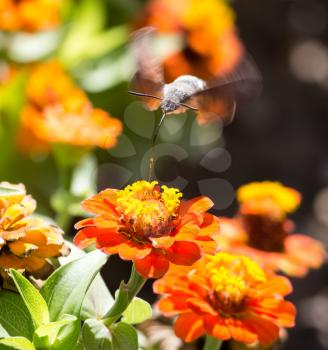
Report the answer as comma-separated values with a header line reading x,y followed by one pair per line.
x,y
152,266
183,253
191,217
82,241
187,232
173,305
210,225
266,330
281,311
189,327
109,238
240,332
162,242
129,251
306,250
84,223
200,307
277,284
216,327
199,205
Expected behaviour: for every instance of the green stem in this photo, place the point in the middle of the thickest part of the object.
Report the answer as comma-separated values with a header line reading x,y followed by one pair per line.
x,y
126,293
212,343
63,216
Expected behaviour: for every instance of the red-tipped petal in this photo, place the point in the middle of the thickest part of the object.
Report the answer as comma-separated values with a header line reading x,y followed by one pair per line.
x,y
152,266
183,253
216,327
189,327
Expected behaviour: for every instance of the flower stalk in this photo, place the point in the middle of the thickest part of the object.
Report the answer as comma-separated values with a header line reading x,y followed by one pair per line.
x,y
126,293
212,343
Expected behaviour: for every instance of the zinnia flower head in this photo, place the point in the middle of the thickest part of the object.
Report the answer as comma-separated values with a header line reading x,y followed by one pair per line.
x,y
58,111
262,231
211,46
226,296
149,225
29,15
26,243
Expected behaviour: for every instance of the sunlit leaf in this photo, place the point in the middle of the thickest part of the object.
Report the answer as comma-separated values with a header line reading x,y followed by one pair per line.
x,y
16,343
32,298
138,311
98,299
96,335
14,315
65,290
45,335
124,337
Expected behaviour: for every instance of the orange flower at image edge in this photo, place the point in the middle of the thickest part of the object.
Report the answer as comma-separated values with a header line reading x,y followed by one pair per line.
x,y
149,225
29,15
26,243
261,230
226,296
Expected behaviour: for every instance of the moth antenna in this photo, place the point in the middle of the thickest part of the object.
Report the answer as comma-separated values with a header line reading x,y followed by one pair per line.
x,y
135,93
153,140
188,106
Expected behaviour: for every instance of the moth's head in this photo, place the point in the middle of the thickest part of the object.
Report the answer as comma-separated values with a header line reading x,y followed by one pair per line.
x,y
169,106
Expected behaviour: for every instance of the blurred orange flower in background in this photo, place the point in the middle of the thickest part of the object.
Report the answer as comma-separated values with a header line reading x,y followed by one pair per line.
x,y
29,15
226,296
262,231
26,243
149,225
210,43
58,111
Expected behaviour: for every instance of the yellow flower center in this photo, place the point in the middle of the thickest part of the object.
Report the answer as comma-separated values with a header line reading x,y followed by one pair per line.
x,y
147,209
269,196
205,14
232,278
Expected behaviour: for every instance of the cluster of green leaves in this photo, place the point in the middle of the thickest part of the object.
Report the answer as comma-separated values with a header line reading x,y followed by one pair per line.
x,y
69,311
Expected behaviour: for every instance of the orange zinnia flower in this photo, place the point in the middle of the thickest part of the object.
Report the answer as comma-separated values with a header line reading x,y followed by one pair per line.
x,y
60,112
226,296
150,226
26,243
29,15
211,46
262,231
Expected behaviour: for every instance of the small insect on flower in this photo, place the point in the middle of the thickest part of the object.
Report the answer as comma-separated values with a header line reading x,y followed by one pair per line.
x,y
228,297
149,225
214,99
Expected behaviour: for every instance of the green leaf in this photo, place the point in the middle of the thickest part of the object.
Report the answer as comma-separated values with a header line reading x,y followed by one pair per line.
x,y
138,311
14,315
33,300
45,335
124,337
3,332
98,299
96,335
16,343
65,290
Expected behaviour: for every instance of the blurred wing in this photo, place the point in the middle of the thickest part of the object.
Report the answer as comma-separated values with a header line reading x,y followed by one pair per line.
x,y
218,100
148,78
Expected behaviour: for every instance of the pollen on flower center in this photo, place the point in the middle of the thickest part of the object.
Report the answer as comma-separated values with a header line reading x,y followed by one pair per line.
x,y
147,209
231,278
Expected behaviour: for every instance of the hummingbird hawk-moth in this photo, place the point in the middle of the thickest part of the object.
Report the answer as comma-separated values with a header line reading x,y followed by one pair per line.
x,y
212,100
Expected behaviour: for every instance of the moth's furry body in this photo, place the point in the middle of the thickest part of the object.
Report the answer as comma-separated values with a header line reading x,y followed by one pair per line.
x,y
180,90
